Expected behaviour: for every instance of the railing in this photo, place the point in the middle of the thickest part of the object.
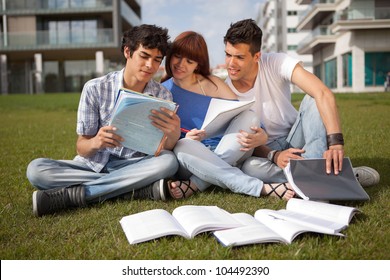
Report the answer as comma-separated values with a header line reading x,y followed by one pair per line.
x,y
13,5
321,30
304,13
128,14
314,2
352,14
49,39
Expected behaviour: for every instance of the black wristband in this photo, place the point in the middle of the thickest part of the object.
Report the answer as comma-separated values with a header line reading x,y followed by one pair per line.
x,y
273,158
335,139
271,155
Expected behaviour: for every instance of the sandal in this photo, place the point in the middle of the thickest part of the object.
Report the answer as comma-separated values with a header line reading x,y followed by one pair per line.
x,y
184,187
281,194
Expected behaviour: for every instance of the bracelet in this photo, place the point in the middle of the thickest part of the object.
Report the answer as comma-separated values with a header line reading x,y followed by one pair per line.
x,y
273,158
335,139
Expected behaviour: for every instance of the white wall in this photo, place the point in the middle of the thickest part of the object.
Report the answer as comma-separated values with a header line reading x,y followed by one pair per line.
x,y
358,43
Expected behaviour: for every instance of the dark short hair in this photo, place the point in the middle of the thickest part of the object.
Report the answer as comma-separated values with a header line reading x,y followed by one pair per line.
x,y
193,46
149,36
245,31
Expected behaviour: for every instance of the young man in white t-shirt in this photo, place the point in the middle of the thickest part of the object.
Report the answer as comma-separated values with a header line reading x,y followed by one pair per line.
x,y
313,132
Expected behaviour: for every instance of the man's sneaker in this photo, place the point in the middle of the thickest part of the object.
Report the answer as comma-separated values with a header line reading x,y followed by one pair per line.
x,y
51,201
155,191
366,176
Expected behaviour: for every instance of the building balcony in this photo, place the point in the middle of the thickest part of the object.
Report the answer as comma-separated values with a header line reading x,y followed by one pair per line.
x,y
318,38
265,21
265,36
128,14
315,13
265,7
24,7
354,19
47,40
303,2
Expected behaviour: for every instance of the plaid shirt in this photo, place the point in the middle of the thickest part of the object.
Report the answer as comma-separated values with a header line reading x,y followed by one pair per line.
x,y
95,108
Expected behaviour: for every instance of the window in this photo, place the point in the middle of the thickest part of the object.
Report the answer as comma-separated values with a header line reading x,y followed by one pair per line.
x,y
51,77
84,31
317,71
331,73
291,30
58,4
77,31
77,73
292,13
65,4
63,32
376,65
292,47
73,32
347,70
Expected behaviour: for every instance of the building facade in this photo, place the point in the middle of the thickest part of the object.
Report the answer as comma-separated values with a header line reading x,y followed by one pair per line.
x,y
349,40
278,20
57,45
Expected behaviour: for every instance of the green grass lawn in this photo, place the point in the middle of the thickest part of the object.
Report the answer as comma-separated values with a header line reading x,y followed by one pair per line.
x,y
44,126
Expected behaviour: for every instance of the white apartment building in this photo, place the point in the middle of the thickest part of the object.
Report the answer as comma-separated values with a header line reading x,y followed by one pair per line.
x,y
349,41
278,20
58,45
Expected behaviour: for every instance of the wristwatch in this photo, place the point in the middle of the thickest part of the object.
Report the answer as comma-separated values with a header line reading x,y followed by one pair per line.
x,y
271,155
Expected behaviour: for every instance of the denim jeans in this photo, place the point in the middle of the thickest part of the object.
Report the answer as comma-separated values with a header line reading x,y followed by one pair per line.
x,y
307,133
118,177
205,167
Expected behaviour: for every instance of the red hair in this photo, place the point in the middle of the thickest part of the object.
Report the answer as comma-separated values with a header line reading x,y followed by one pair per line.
x,y
191,45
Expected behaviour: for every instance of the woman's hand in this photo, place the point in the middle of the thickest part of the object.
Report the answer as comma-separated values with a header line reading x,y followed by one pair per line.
x,y
250,141
282,158
196,134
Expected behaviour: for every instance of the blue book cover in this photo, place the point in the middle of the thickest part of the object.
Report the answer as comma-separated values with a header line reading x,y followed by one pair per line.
x,y
192,109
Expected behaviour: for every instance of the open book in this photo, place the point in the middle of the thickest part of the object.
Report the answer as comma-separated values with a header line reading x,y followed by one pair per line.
x,y
310,181
186,221
211,114
131,118
285,225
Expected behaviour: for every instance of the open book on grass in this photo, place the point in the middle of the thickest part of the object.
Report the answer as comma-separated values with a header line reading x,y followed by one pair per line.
x,y
186,221
310,181
131,118
211,114
285,225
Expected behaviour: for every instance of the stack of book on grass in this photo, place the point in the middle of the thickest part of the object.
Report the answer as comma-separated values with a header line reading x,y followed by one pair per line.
x,y
186,221
240,228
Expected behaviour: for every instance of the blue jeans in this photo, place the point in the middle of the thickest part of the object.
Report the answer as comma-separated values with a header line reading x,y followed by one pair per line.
x,y
118,177
307,133
205,167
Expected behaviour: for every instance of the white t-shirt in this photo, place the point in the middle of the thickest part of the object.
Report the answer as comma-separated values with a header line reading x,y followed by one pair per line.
x,y
272,94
